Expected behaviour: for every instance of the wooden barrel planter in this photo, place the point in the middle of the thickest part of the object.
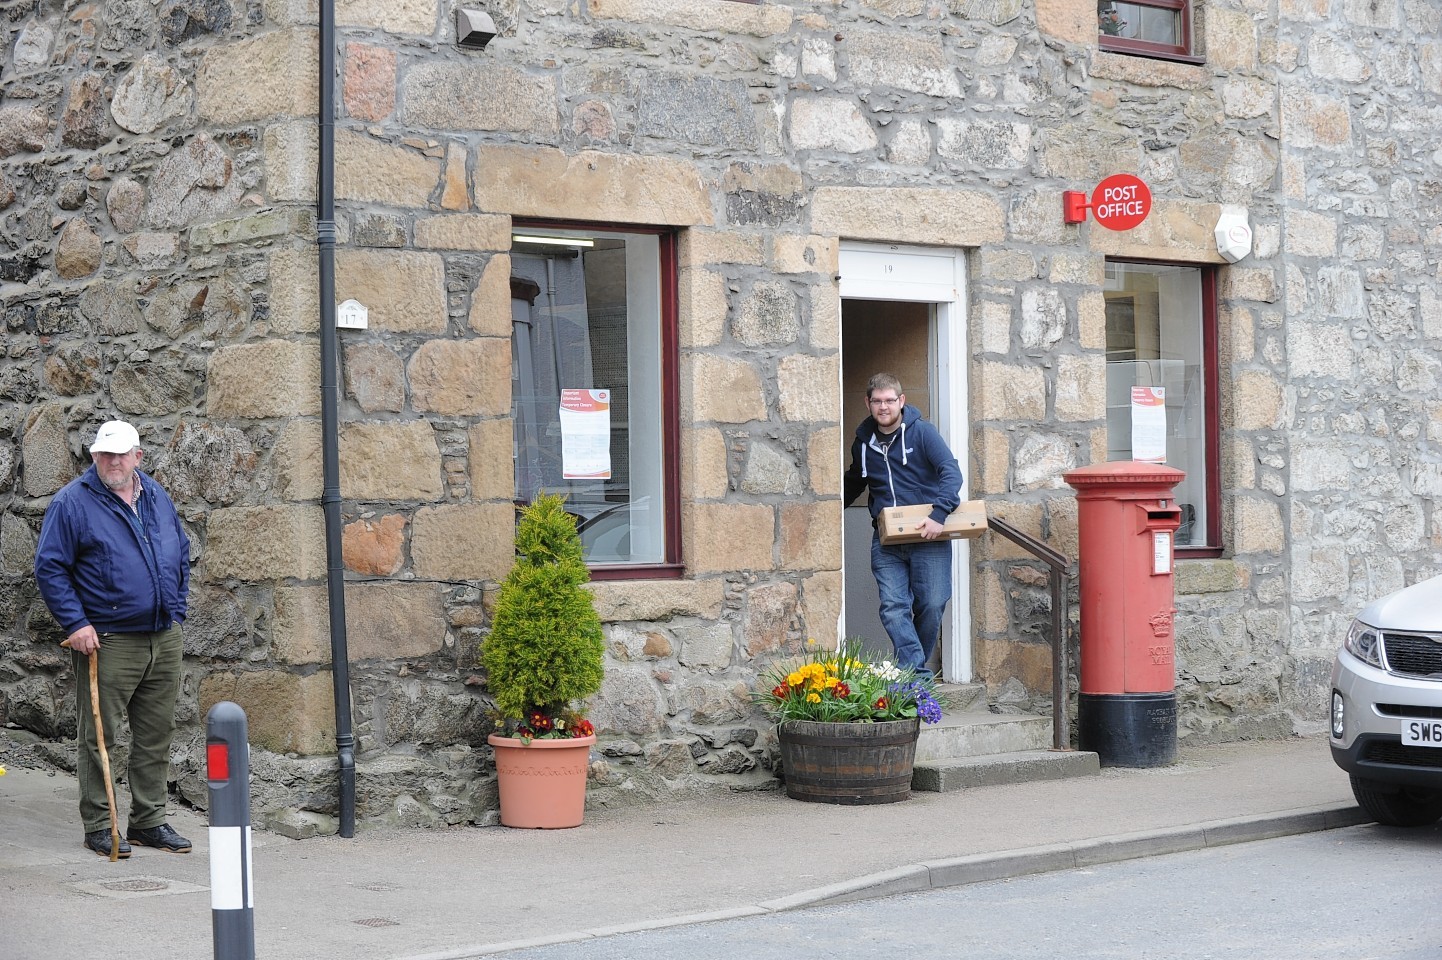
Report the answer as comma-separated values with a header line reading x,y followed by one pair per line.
x,y
849,763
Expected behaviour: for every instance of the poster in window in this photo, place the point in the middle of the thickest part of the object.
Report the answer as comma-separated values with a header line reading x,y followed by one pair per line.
x,y
585,434
1149,424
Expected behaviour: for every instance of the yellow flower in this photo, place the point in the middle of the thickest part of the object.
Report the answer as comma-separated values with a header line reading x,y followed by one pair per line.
x,y
2,771
794,679
831,682
813,698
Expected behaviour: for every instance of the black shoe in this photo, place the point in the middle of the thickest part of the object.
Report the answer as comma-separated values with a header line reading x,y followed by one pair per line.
x,y
99,841
162,837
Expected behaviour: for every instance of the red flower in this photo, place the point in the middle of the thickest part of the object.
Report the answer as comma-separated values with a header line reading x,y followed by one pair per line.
x,y
881,703
781,691
841,690
541,722
582,728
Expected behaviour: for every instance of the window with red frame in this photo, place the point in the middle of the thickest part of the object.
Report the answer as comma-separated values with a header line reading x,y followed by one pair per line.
x,y
1157,28
593,387
1161,332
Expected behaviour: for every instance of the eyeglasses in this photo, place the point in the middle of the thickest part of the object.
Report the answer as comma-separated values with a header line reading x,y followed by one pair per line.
x,y
884,401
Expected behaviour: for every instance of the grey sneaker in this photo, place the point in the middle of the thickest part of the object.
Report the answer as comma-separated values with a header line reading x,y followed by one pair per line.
x,y
162,837
99,841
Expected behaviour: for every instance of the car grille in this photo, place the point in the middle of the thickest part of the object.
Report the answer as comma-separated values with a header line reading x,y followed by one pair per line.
x,y
1414,654
1382,751
1409,710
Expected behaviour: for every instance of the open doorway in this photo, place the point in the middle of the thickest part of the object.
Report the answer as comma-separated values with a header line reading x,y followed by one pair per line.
x,y
895,337
902,312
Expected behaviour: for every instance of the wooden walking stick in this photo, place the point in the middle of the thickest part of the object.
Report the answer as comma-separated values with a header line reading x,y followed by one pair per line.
x,y
94,658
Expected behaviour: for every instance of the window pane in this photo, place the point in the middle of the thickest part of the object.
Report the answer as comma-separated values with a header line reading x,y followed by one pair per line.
x,y
1154,339
586,322
1136,21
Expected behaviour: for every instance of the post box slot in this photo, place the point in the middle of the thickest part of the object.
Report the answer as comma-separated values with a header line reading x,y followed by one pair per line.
x,y
1159,518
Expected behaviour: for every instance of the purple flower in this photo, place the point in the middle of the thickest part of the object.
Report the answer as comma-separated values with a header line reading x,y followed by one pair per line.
x,y
927,707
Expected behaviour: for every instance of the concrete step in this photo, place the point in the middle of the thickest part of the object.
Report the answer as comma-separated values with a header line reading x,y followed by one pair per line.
x,y
975,747
961,697
977,733
1024,766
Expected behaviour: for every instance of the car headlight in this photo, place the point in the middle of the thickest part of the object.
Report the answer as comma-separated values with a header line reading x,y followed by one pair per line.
x,y
1364,643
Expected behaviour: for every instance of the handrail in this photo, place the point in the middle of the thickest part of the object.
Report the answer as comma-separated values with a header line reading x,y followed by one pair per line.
x,y
1057,577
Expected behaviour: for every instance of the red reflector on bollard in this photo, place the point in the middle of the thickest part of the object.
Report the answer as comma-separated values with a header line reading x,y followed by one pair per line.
x,y
217,761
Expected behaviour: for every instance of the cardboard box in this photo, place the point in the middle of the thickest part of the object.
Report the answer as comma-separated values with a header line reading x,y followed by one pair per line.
x,y
898,524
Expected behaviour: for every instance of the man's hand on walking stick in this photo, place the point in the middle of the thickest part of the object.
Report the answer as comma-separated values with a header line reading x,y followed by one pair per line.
x,y
85,640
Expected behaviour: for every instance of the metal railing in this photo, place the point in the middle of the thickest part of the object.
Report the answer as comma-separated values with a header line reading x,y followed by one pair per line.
x,y
1059,574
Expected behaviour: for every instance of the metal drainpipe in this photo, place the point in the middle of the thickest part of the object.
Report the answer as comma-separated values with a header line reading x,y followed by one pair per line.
x,y
329,420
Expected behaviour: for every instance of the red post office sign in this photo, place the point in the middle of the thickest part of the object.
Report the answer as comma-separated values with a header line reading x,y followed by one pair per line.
x,y
1121,202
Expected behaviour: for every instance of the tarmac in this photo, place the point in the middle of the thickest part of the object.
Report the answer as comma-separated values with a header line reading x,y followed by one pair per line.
x,y
461,892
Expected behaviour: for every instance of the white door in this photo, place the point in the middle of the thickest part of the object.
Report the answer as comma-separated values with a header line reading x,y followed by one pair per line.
x,y
904,310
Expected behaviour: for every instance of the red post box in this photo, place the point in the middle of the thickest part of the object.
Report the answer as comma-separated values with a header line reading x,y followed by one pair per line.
x,y
1127,521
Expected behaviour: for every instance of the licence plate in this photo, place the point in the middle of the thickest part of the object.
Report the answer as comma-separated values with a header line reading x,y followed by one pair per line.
x,y
1422,733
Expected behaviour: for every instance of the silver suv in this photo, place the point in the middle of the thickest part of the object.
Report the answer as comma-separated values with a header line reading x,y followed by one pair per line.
x,y
1387,707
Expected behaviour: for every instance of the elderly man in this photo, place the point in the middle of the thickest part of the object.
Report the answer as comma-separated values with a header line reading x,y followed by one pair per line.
x,y
113,565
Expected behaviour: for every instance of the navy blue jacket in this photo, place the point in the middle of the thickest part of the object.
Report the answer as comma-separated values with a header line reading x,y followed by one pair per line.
x,y
92,566
913,465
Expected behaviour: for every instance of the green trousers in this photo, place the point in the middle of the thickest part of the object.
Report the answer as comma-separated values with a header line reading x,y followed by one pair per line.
x,y
139,680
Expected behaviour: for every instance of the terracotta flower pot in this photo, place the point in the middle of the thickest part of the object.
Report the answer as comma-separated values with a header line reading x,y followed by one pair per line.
x,y
849,763
542,783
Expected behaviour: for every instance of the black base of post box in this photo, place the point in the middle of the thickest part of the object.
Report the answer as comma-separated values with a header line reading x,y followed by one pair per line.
x,y
1129,729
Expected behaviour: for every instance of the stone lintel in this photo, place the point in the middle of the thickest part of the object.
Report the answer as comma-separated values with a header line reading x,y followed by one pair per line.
x,y
544,182
1176,229
918,215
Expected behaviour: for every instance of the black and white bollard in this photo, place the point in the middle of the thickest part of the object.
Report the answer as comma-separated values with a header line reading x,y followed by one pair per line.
x,y
227,771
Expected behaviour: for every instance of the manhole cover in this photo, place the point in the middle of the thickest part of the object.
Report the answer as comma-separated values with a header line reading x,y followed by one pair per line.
x,y
134,886
378,922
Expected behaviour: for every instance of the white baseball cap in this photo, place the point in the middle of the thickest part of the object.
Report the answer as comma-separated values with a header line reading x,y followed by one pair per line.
x,y
115,436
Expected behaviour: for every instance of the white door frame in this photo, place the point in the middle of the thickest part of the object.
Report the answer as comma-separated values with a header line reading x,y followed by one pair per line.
x,y
935,275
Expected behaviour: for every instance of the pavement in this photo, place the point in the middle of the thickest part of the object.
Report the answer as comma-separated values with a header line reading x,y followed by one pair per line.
x,y
461,892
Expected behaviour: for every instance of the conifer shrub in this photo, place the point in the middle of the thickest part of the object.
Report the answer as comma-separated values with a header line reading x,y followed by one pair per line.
x,y
545,651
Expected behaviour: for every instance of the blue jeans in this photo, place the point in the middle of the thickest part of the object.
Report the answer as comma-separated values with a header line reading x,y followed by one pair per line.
x,y
914,580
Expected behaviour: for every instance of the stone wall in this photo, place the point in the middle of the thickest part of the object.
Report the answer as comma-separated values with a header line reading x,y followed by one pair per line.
x,y
157,188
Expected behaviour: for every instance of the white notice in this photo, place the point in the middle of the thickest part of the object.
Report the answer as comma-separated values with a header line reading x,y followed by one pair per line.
x,y
586,434
1161,552
1149,424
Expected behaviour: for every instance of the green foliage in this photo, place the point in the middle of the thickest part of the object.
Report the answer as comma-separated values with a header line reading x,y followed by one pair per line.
x,y
545,650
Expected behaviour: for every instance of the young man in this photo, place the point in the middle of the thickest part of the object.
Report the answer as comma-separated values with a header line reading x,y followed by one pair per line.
x,y
903,461
113,565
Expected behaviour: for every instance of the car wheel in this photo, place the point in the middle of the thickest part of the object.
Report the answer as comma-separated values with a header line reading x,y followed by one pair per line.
x,y
1397,806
